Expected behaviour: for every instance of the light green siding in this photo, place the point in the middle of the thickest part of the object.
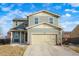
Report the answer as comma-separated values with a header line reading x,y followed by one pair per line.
x,y
43,30
43,19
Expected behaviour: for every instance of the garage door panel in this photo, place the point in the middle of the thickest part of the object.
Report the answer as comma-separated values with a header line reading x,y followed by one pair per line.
x,y
43,38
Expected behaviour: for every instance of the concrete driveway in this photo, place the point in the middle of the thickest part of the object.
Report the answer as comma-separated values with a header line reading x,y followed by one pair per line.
x,y
46,49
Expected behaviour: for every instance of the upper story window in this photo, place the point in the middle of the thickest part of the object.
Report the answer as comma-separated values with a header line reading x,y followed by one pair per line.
x,y
36,20
51,20
16,23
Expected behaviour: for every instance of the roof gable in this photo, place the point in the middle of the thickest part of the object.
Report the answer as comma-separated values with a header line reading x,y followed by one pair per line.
x,y
21,26
44,23
76,29
47,12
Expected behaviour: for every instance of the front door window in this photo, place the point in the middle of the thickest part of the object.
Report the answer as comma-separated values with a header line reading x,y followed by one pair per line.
x,y
16,37
16,40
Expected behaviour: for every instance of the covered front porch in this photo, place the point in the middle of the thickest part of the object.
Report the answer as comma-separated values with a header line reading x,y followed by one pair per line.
x,y
19,36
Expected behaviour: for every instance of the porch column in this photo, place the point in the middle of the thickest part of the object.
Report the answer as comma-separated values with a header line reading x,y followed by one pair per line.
x,y
28,38
61,36
24,37
11,37
20,37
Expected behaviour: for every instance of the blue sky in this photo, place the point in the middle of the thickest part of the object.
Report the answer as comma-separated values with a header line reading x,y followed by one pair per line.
x,y
69,13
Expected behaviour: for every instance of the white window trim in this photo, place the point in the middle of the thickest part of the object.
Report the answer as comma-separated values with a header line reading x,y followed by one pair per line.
x,y
38,19
49,19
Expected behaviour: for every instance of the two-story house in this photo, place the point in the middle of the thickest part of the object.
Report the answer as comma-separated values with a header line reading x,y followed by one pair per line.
x,y
37,28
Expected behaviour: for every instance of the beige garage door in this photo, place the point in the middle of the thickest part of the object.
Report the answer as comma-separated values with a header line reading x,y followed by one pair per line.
x,y
43,38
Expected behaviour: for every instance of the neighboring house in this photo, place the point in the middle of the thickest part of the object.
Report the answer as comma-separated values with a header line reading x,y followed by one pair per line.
x,y
38,27
71,37
66,35
75,32
8,35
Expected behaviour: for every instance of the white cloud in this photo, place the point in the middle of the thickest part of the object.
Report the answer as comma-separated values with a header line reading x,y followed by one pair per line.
x,y
71,10
18,13
69,25
67,10
6,20
66,15
74,4
8,8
